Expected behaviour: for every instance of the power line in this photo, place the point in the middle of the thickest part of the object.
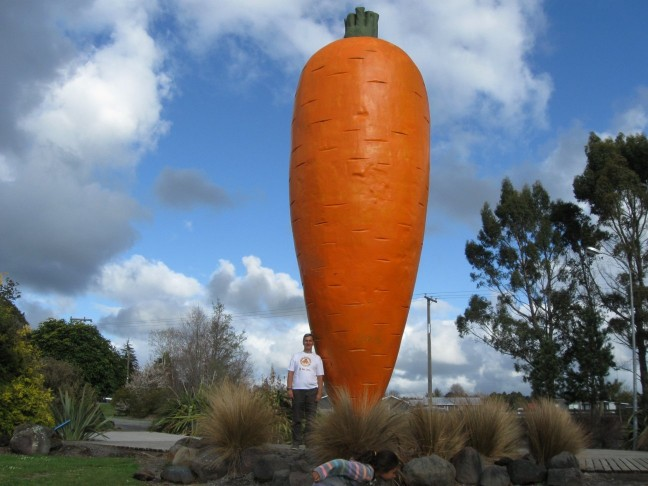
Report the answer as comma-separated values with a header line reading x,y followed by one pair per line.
x,y
276,313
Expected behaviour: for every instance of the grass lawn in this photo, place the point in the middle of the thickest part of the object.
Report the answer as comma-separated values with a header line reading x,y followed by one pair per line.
x,y
108,409
66,471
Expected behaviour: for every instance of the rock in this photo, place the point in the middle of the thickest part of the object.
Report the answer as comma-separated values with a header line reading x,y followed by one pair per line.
x,y
564,460
31,439
429,471
468,466
564,477
145,475
184,456
298,478
184,443
503,461
207,466
177,474
494,476
522,472
264,467
281,478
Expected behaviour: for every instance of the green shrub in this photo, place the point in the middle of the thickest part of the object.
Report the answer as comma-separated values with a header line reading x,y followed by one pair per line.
x,y
552,430
61,375
24,400
274,392
84,413
436,431
141,402
180,415
235,419
353,428
492,427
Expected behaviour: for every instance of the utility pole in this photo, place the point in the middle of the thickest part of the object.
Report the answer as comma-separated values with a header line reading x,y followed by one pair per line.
x,y
76,320
128,360
429,348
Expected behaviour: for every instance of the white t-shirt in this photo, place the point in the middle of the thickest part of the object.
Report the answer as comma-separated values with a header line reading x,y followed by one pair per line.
x,y
306,368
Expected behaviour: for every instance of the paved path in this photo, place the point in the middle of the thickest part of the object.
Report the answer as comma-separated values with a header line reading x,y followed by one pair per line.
x,y
156,441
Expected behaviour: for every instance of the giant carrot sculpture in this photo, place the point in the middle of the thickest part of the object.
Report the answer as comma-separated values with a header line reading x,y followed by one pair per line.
x,y
359,173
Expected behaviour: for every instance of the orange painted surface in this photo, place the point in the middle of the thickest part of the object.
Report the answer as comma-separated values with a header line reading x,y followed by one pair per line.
x,y
359,175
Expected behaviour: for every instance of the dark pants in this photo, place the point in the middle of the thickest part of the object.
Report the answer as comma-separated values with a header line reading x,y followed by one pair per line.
x,y
304,408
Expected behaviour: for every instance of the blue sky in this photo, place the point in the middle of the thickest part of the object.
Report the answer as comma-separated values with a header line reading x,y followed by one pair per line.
x,y
144,153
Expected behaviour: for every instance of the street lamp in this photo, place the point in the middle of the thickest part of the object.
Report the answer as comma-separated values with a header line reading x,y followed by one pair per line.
x,y
429,348
596,251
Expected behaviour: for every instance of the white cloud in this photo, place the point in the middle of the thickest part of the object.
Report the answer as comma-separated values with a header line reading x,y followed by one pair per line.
x,y
259,289
472,54
634,117
138,279
104,106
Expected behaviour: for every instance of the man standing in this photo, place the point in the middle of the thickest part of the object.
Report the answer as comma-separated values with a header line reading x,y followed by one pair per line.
x,y
305,386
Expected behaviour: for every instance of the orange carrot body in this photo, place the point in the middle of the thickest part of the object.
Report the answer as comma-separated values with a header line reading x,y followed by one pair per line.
x,y
359,174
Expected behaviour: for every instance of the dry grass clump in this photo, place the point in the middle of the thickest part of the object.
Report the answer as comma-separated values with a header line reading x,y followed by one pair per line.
x,y
351,429
436,431
642,440
492,427
235,419
552,430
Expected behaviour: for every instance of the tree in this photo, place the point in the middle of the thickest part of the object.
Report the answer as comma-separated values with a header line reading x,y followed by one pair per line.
x,y
614,185
83,345
12,322
515,400
456,390
128,354
202,351
520,256
589,355
23,396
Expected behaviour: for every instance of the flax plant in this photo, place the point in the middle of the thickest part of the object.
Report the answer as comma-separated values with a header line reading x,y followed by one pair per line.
x,y
181,415
86,419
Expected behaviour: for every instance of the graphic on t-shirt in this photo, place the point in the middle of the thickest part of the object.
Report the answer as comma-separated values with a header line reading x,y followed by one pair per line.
x,y
305,361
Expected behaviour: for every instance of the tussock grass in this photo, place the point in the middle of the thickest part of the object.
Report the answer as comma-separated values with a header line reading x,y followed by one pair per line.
x,y
235,419
436,431
492,428
351,429
552,430
642,440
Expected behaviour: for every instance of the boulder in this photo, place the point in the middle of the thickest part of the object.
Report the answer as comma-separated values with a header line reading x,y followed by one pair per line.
x,y
264,467
184,456
207,465
29,439
565,477
429,471
564,460
177,474
522,471
468,466
494,476
145,475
